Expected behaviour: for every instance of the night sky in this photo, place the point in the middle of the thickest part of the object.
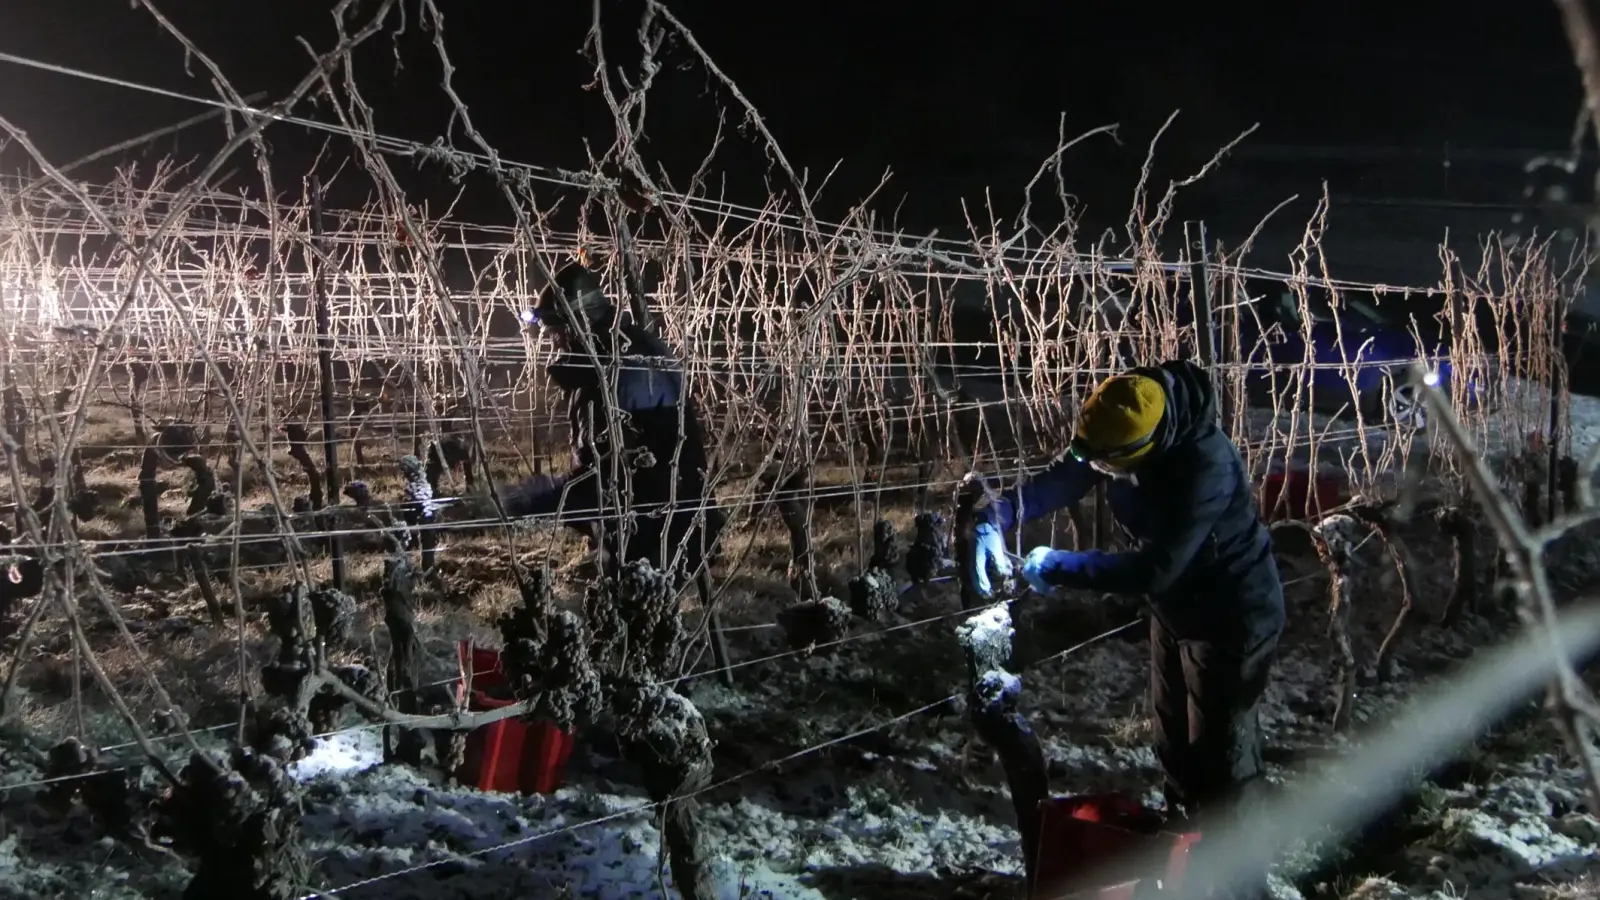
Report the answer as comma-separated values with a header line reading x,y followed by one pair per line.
x,y
1418,114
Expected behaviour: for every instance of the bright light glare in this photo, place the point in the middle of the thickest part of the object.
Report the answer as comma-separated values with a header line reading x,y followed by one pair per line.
x,y
528,316
1431,378
339,754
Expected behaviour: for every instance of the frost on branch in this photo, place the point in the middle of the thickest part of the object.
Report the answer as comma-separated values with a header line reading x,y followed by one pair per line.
x,y
116,796
546,657
301,698
418,509
887,553
334,612
635,618
1337,538
666,735
994,695
930,548
810,623
240,818
874,595
987,638
617,660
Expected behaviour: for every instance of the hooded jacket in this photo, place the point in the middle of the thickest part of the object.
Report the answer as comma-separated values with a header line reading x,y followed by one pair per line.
x,y
1201,551
662,460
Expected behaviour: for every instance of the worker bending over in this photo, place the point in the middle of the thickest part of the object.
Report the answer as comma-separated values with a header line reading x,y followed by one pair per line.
x,y
1178,486
640,497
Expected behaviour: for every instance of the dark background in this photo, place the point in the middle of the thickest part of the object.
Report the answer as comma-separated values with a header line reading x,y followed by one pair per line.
x,y
1418,116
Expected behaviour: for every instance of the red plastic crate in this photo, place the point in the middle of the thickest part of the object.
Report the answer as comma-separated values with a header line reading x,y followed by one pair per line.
x,y
1295,487
1079,836
509,755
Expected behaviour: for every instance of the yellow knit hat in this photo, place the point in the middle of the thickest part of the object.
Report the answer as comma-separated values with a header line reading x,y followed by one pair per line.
x,y
1118,422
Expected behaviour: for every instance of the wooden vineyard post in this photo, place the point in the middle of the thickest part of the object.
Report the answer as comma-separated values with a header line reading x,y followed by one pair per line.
x,y
330,431
963,543
1557,388
1194,234
633,280
793,493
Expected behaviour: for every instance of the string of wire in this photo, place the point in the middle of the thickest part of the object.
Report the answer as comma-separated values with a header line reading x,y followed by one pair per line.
x,y
720,208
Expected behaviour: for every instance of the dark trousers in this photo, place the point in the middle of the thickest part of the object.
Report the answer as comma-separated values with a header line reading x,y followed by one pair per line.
x,y
1205,700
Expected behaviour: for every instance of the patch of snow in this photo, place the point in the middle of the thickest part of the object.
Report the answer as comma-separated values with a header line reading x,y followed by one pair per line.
x,y
1522,825
869,828
475,845
350,751
988,633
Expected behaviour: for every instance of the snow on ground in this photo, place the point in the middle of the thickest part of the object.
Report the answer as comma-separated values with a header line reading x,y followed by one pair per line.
x,y
910,808
339,754
476,845
1584,414
913,810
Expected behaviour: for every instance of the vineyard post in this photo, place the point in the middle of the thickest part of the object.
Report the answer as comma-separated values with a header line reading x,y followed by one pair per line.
x,y
1558,387
1194,237
632,277
330,433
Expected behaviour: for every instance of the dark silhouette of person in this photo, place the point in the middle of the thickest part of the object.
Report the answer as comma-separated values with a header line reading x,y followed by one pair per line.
x,y
637,488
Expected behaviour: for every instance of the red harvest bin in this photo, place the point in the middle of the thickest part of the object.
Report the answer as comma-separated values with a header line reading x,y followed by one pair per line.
x,y
509,755
1295,487
1079,836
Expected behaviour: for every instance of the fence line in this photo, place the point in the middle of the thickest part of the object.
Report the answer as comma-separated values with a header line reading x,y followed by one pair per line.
x,y
848,351
899,345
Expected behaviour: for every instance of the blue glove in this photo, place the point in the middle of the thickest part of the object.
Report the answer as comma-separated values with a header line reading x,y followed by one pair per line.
x,y
989,549
989,541
1045,564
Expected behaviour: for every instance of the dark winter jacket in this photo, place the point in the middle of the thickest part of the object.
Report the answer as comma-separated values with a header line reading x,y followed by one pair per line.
x,y
1201,552
653,414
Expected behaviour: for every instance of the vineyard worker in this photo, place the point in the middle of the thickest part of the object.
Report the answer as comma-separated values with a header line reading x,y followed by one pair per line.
x,y
1178,486
662,458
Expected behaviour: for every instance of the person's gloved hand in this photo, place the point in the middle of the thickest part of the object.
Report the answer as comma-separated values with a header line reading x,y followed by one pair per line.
x,y
989,545
990,550
1044,565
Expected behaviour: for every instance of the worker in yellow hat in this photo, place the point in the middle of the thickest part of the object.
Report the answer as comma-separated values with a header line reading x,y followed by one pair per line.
x,y
1178,486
